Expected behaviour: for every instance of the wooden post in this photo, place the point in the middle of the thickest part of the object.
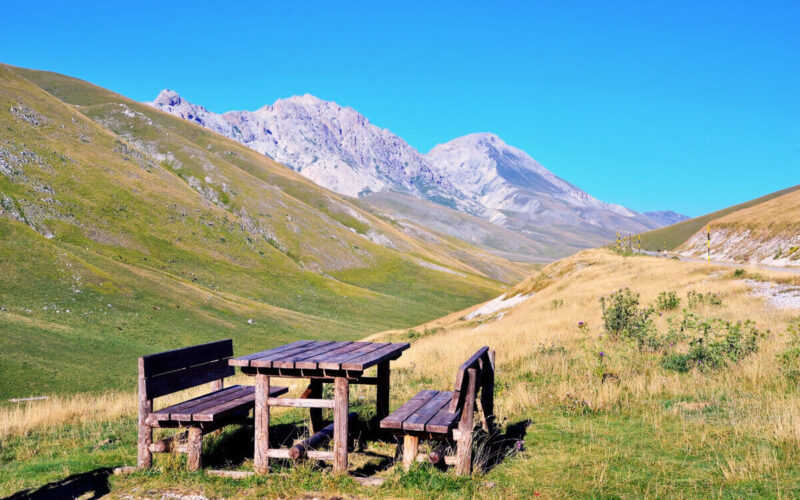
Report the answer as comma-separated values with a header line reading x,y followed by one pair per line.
x,y
410,450
437,455
341,402
217,385
384,384
300,450
145,407
464,447
260,454
487,392
315,391
195,451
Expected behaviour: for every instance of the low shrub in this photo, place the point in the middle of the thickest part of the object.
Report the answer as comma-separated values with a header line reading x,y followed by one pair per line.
x,y
623,319
789,360
695,299
668,301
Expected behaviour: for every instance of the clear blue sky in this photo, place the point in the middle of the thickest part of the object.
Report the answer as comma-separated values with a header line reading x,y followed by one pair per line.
x,y
690,106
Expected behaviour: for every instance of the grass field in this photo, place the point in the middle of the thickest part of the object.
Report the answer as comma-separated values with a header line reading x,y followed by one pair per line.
x,y
124,231
621,424
671,237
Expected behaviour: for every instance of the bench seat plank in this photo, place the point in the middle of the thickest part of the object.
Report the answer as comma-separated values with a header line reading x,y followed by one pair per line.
x,y
396,418
417,421
215,405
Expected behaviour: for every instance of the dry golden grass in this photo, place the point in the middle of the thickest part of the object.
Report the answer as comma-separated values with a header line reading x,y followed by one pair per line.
x,y
523,333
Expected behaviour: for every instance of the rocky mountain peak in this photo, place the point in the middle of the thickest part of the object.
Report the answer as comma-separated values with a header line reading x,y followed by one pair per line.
x,y
167,97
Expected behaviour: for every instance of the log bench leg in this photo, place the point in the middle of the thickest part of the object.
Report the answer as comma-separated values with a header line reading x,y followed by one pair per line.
x,y
145,438
464,446
410,450
261,452
195,449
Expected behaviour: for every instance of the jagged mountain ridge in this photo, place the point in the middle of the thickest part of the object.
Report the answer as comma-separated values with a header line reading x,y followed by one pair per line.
x,y
478,174
334,146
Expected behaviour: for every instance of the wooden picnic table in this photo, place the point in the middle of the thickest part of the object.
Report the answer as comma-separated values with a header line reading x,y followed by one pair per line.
x,y
340,363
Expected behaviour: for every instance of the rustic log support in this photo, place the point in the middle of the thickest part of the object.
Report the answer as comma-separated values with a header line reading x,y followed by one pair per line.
x,y
410,450
487,392
260,454
300,450
169,443
310,454
195,449
341,390
301,402
437,455
145,431
464,446
383,386
314,391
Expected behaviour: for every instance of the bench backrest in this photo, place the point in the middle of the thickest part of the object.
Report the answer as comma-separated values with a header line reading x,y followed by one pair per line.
x,y
172,371
482,363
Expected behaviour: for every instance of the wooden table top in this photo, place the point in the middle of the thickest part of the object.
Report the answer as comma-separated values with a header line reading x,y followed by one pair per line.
x,y
324,355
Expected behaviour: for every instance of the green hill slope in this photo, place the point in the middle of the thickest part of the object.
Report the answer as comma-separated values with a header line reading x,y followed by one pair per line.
x,y
671,237
124,230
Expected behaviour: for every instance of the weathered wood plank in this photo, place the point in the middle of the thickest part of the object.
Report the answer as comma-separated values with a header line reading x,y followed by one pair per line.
x,y
301,402
223,410
417,421
487,392
443,421
171,382
186,406
460,385
373,358
335,360
245,360
295,360
168,361
396,418
267,360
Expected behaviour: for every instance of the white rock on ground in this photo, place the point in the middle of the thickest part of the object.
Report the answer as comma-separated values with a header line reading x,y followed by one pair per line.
x,y
498,304
777,295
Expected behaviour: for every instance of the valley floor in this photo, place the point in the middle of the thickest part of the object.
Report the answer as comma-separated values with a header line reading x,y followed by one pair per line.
x,y
585,412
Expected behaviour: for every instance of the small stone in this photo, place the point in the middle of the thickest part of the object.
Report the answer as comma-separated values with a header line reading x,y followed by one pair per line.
x,y
250,321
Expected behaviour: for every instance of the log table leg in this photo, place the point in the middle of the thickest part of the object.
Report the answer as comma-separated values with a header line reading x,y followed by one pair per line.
x,y
341,401
315,392
261,452
384,384
145,456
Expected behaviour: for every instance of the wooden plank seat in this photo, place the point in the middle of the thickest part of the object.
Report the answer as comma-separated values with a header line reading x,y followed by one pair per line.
x,y
169,372
213,407
446,414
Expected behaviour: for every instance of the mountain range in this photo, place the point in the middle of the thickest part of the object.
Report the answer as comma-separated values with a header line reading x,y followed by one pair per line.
x,y
478,174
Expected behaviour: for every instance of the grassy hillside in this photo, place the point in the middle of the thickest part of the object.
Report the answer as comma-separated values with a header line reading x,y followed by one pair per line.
x,y
509,244
767,233
673,236
589,413
125,231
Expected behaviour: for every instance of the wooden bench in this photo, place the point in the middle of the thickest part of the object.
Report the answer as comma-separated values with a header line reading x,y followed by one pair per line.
x,y
442,414
172,371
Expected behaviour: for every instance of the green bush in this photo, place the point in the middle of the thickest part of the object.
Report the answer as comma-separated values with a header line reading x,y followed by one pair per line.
x,y
623,319
789,360
695,299
668,301
714,345
739,273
